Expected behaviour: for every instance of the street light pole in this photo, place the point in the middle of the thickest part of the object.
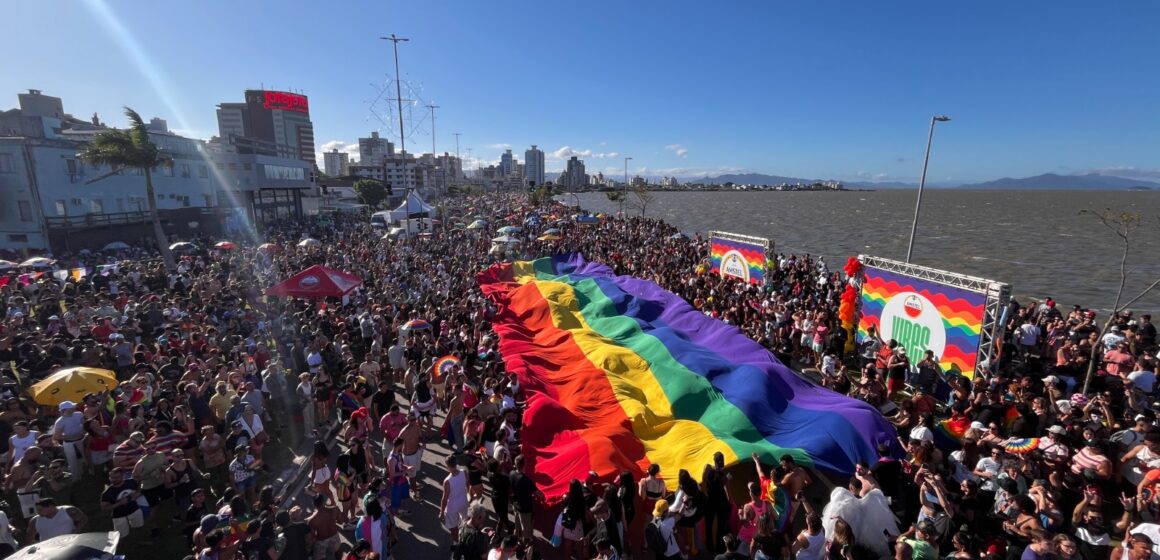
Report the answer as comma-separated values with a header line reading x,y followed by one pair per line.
x,y
922,183
457,160
433,153
624,194
399,104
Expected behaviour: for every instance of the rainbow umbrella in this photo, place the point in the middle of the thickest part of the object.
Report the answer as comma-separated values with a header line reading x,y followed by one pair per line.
x,y
1021,445
416,325
445,366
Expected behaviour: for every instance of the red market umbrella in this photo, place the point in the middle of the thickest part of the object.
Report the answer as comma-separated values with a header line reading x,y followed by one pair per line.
x,y
268,247
316,282
225,245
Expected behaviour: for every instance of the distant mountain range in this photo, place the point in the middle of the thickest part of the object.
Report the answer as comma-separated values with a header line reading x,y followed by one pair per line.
x,y
1047,181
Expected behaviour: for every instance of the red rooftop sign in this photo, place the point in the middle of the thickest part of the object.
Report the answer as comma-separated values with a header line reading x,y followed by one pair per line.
x,y
286,101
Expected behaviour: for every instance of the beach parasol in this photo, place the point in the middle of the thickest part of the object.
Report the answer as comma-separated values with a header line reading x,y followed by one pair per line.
x,y
505,239
552,230
116,246
83,546
269,247
508,230
416,325
583,219
183,246
478,224
444,366
72,384
225,245
38,262
309,242
549,237
678,236
5,265
1021,445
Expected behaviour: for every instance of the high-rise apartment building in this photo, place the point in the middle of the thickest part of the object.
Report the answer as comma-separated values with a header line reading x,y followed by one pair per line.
x,y
373,150
534,165
575,176
506,163
336,163
268,123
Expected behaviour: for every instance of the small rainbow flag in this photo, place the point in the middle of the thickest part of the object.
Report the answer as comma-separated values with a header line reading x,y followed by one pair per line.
x,y
1021,445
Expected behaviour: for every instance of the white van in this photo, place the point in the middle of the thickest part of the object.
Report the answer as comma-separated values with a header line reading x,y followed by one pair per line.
x,y
380,219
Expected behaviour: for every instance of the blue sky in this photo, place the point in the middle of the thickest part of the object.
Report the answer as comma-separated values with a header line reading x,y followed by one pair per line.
x,y
826,89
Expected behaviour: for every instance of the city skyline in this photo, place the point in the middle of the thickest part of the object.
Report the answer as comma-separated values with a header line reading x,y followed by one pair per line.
x,y
806,91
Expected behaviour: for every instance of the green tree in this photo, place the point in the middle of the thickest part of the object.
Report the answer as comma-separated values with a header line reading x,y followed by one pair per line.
x,y
617,197
370,192
133,149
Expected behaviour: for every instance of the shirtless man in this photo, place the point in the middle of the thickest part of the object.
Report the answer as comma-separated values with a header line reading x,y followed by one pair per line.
x,y
324,529
794,481
454,422
20,475
413,446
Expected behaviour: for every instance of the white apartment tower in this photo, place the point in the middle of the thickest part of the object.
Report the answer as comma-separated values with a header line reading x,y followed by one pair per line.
x,y
534,165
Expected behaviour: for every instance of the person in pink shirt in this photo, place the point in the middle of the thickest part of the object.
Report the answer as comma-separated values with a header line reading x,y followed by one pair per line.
x,y
1117,360
392,423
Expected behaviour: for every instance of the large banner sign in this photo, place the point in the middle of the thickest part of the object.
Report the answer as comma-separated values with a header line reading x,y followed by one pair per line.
x,y
923,315
738,256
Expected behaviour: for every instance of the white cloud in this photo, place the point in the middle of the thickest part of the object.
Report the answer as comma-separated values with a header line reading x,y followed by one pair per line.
x,y
568,151
499,146
678,149
684,172
350,148
868,176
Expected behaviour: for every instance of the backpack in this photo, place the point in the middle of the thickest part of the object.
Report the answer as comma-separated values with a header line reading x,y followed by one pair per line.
x,y
654,538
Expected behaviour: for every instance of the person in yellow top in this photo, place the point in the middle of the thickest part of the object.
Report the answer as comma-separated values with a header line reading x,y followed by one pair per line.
x,y
220,402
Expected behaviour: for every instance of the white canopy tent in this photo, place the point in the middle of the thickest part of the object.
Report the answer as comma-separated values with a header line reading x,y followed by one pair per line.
x,y
412,205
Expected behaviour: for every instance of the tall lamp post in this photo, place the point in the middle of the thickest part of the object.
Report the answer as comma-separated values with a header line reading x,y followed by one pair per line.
x,y
399,102
624,195
922,183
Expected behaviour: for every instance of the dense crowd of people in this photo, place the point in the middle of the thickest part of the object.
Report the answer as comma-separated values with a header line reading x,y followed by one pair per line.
x,y
220,383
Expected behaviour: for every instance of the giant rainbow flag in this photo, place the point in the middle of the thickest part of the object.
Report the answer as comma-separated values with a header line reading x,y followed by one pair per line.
x,y
621,374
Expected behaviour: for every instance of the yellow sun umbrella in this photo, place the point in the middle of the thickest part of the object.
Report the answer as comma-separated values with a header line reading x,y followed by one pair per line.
x,y
549,237
72,384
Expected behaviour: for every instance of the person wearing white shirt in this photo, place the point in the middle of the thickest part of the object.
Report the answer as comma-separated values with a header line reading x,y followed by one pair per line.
x,y
1144,378
988,469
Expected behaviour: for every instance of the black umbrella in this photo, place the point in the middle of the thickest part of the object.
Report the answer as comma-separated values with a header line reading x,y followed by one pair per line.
x,y
85,546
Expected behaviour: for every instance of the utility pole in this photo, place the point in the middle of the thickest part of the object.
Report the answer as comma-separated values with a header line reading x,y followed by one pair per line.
x,y
457,160
399,103
433,152
922,183
625,193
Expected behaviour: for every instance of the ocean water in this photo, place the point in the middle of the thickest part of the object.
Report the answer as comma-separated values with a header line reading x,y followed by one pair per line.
x,y
1039,242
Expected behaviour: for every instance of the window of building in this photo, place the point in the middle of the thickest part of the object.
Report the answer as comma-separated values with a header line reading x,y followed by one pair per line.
x,y
96,206
120,205
185,171
61,208
25,210
74,169
247,167
184,200
6,165
233,167
202,171
167,169
18,237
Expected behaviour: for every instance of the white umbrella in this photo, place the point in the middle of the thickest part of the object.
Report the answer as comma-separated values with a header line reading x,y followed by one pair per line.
x,y
183,246
309,242
5,265
505,239
116,246
508,230
38,262
83,546
478,224
553,230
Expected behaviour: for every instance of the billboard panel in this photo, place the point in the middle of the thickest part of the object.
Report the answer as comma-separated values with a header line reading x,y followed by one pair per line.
x,y
923,315
738,256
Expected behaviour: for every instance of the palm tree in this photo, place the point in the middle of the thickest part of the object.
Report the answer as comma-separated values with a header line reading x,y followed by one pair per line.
x,y
132,149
